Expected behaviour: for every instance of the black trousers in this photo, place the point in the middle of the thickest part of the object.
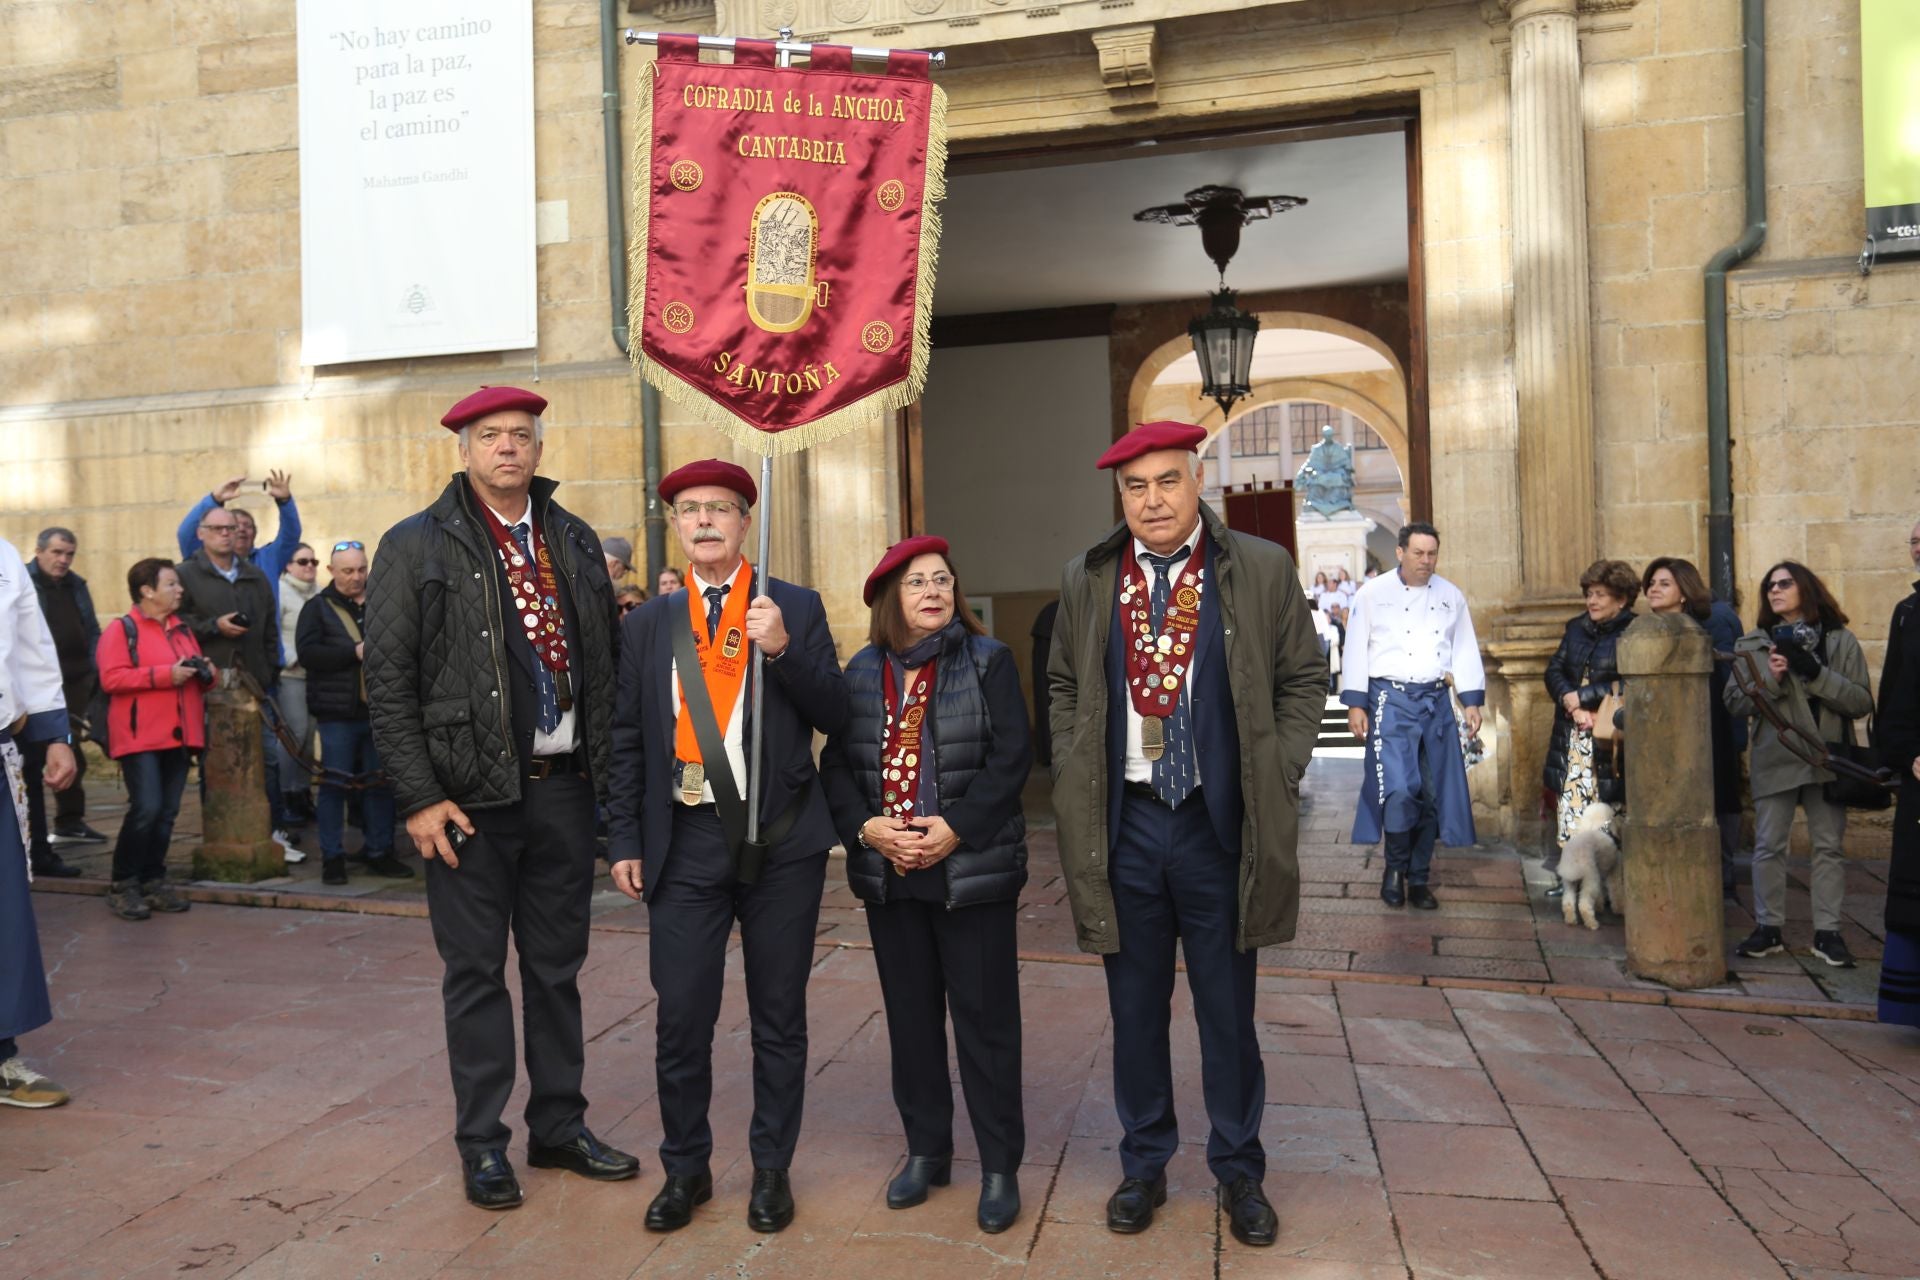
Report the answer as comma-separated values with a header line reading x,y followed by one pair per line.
x,y
689,919
69,806
933,961
1172,880
527,870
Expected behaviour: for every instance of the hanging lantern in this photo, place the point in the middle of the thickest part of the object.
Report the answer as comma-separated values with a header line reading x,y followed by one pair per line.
x,y
1223,344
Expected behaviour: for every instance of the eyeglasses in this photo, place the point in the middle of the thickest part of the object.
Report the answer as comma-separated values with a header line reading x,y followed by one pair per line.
x,y
1781,584
628,606
348,546
919,583
692,510
228,527
305,561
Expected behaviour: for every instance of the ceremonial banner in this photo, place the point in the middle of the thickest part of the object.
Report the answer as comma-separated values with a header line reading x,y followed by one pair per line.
x,y
416,178
785,237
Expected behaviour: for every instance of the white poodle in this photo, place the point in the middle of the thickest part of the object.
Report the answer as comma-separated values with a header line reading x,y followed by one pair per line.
x,y
1591,856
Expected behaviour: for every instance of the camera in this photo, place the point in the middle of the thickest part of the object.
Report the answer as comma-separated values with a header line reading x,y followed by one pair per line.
x,y
242,620
201,667
1796,635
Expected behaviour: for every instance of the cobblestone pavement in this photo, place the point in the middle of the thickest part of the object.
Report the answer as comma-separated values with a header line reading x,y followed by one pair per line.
x,y
1494,923
264,1094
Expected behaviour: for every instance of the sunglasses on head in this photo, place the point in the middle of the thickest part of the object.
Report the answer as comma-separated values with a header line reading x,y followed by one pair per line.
x,y
348,546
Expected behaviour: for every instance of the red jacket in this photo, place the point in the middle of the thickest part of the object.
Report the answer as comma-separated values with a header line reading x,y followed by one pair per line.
x,y
145,711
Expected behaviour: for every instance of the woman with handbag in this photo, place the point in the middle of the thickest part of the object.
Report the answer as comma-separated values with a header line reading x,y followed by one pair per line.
x,y
925,782
1807,667
1582,765
1673,585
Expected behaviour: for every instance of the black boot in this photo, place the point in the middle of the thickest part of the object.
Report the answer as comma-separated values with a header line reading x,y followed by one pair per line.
x,y
1393,888
999,1202
909,1186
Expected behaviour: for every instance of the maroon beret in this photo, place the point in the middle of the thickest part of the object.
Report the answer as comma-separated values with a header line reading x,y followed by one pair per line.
x,y
491,400
899,554
710,471
1151,437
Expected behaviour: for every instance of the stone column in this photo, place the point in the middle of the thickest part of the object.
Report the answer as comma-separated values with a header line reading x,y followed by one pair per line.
x,y
1552,341
1676,926
1553,384
236,825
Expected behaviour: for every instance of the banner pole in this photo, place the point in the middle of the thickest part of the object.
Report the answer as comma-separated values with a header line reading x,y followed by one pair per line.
x,y
755,758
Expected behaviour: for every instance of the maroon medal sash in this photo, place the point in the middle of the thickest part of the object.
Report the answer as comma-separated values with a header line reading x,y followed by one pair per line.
x,y
535,596
1157,663
900,742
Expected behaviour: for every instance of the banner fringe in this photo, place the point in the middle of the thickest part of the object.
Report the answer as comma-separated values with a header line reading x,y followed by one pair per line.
x,y
696,400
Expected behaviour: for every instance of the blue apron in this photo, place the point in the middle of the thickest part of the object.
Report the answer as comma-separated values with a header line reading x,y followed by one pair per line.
x,y
1404,720
23,980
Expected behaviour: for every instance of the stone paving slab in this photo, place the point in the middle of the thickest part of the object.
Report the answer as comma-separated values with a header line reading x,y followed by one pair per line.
x,y
1494,926
264,1094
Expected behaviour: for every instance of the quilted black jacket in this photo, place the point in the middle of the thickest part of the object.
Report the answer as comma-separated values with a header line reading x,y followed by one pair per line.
x,y
437,660
1585,664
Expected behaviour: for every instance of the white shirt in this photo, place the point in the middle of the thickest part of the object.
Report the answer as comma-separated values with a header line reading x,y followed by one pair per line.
x,y
1415,635
566,735
1138,767
736,743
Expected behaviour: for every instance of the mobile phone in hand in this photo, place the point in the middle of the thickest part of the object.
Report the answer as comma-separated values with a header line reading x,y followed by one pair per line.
x,y
456,838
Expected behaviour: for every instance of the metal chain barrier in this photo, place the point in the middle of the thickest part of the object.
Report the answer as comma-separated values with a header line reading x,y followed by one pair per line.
x,y
1746,673
319,772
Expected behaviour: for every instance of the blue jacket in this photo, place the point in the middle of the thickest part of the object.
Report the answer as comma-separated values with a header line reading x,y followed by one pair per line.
x,y
805,692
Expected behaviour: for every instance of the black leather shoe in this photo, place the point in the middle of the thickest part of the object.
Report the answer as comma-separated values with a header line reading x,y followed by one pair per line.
x,y
1420,896
672,1208
909,1186
1250,1217
770,1207
490,1181
999,1202
587,1156
1130,1209
333,871
48,865
1393,888
387,865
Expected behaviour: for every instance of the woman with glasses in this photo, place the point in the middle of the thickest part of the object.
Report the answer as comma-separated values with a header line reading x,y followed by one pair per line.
x,y
299,584
925,783
627,597
1804,664
1580,676
1673,585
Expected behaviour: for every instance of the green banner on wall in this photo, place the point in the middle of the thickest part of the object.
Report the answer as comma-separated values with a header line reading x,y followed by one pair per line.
x,y
1890,121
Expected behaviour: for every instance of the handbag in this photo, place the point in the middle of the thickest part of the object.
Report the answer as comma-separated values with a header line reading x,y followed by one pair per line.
x,y
1604,729
1856,787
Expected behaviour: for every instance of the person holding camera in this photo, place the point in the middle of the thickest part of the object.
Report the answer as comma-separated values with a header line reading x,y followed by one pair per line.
x,y
1809,669
227,601
154,675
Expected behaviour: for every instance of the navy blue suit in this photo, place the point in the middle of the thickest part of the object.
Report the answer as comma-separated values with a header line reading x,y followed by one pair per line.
x,y
1175,876
693,898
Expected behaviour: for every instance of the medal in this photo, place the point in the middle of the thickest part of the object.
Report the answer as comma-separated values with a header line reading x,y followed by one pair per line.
x,y
901,739
1153,737
693,779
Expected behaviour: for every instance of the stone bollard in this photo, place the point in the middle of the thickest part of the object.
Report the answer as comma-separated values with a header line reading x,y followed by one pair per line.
x,y
237,826
1676,926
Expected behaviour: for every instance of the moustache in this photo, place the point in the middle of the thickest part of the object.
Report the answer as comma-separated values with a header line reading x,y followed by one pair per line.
x,y
708,535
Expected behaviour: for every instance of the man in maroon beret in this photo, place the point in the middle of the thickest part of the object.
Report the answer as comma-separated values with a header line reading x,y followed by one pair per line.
x,y
1187,689
678,825
490,677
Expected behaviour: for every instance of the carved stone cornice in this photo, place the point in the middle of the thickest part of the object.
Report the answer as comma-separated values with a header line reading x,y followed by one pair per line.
x,y
1501,13
939,24
674,15
1126,64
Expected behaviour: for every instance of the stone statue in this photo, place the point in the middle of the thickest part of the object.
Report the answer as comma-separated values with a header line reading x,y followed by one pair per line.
x,y
1326,477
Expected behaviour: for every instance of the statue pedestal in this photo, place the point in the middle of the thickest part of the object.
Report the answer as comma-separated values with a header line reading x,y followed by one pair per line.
x,y
1331,542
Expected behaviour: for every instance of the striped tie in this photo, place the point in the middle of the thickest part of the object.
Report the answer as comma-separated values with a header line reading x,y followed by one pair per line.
x,y
1174,776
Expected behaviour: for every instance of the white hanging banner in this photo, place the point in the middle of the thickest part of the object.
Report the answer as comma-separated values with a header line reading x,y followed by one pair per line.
x,y
416,178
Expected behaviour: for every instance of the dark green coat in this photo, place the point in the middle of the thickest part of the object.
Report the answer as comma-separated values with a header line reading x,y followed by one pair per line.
x,y
1279,679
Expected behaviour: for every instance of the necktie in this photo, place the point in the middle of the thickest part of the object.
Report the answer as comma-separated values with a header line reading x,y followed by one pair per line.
x,y
716,598
1174,776
545,689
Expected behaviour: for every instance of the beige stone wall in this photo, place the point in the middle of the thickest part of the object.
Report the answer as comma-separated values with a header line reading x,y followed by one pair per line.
x,y
149,281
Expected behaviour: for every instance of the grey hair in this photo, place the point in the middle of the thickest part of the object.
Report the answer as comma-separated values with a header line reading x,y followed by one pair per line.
x,y
49,534
539,432
1195,461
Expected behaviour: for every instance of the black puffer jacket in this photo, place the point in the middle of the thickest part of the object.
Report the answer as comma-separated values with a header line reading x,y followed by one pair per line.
x,y
982,752
335,689
437,660
1585,664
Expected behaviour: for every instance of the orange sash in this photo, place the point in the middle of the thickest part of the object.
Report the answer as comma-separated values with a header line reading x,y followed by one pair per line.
x,y
723,660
